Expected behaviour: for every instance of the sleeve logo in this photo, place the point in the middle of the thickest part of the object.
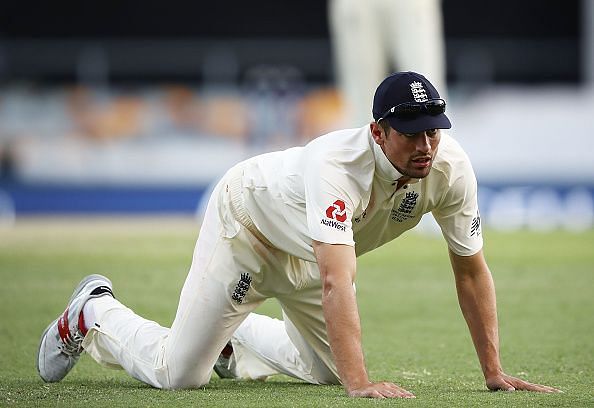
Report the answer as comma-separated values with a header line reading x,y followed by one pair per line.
x,y
337,211
337,214
475,226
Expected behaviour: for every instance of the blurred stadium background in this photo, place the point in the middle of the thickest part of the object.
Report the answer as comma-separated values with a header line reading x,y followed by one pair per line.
x,y
139,107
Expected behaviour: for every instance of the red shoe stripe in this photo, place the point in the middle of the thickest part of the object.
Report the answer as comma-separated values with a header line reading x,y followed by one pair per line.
x,y
81,324
63,329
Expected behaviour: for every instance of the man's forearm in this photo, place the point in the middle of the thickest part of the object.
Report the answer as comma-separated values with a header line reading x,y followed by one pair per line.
x,y
344,333
476,294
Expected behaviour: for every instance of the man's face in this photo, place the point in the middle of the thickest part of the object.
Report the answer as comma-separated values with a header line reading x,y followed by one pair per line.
x,y
411,154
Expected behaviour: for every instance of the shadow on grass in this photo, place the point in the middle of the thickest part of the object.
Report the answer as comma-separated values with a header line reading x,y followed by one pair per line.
x,y
31,385
126,392
129,392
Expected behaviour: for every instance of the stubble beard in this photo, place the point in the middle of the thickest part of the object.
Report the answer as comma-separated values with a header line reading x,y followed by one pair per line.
x,y
413,173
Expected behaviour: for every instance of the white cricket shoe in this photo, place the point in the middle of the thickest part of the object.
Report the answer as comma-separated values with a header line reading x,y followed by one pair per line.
x,y
223,364
61,342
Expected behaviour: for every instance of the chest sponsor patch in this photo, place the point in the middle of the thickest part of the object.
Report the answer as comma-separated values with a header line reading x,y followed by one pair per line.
x,y
406,207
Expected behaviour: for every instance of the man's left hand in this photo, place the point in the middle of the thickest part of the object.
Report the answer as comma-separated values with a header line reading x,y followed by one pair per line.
x,y
504,382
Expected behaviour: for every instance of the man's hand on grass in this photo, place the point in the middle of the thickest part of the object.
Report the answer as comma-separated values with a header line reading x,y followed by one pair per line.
x,y
504,382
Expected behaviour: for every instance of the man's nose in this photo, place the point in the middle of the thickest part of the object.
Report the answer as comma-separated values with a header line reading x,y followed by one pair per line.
x,y
423,142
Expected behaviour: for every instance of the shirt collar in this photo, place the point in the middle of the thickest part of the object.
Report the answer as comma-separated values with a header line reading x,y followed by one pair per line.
x,y
384,169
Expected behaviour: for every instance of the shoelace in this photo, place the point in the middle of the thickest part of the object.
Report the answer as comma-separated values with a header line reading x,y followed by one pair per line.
x,y
72,346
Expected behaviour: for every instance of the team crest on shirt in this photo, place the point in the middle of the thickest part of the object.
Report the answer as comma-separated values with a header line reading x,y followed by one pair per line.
x,y
418,92
406,207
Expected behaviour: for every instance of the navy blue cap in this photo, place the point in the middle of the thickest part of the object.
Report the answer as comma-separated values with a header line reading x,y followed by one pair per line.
x,y
402,87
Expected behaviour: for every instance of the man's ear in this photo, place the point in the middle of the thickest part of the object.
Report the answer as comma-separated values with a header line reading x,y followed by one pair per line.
x,y
377,132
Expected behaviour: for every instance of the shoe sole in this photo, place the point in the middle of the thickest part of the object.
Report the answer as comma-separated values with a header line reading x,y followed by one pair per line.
x,y
77,290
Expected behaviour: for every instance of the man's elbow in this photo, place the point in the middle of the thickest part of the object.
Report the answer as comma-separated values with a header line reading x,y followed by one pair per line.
x,y
329,283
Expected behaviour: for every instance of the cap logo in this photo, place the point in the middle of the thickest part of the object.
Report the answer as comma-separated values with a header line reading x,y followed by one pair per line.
x,y
418,92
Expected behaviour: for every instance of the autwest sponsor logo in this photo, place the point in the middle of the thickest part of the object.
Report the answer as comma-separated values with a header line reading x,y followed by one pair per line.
x,y
337,214
334,224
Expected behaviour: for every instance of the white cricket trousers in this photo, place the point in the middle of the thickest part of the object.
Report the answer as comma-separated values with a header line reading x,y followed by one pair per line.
x,y
371,38
233,271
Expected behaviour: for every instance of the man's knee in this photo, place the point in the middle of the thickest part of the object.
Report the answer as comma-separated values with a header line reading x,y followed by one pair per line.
x,y
186,376
187,379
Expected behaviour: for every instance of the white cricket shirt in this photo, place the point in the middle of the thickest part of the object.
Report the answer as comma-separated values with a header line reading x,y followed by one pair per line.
x,y
340,189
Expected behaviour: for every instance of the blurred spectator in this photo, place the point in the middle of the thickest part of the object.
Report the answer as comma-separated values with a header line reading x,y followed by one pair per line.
x,y
321,111
225,116
6,161
182,107
110,118
273,94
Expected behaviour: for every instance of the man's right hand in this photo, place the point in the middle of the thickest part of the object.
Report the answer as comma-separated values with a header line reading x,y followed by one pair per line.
x,y
380,390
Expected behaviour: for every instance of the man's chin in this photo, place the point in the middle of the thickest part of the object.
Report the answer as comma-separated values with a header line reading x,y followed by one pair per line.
x,y
418,173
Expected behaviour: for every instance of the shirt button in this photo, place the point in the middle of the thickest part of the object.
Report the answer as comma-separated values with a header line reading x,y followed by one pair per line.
x,y
405,186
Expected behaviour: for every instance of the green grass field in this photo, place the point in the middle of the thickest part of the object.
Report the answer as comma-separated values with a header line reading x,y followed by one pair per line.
x,y
413,331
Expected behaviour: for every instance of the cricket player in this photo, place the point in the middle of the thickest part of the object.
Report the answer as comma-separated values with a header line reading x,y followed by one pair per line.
x,y
290,225
370,37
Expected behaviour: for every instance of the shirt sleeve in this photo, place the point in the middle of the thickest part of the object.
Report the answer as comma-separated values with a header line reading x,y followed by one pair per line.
x,y
458,214
332,192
